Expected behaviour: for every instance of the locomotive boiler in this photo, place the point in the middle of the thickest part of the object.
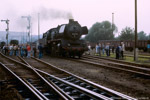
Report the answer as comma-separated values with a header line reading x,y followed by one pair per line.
x,y
65,39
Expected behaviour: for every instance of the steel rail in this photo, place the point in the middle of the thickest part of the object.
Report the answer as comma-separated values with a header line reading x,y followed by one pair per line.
x,y
104,88
58,92
118,61
120,64
123,67
45,98
70,98
95,95
22,81
89,82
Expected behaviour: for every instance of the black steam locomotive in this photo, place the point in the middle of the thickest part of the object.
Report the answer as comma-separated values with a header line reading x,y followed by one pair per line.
x,y
65,40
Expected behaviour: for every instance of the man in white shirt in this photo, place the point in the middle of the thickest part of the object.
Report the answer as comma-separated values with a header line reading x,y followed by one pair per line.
x,y
123,49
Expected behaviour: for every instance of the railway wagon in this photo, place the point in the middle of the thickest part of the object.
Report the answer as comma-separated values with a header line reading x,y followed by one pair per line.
x,y
2,44
14,42
65,39
129,44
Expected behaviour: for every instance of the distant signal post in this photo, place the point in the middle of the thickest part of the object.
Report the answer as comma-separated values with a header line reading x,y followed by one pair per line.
x,y
29,27
7,30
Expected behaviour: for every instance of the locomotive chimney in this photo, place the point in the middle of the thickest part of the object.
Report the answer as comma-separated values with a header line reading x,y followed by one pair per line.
x,y
71,20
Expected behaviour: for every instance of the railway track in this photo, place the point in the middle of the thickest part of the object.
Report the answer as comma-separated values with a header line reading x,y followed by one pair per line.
x,y
118,61
143,70
140,56
73,86
32,80
83,85
22,88
140,53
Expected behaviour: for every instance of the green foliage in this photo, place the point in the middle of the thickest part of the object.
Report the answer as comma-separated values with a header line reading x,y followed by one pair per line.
x,y
101,31
148,37
127,34
142,36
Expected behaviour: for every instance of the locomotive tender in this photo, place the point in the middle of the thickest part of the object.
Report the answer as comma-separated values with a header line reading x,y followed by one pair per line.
x,y
65,40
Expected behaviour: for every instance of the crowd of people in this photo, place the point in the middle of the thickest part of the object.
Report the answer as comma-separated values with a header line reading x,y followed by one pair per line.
x,y
102,49
23,50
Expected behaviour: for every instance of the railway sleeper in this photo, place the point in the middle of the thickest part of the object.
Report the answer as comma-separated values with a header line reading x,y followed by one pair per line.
x,y
87,86
74,93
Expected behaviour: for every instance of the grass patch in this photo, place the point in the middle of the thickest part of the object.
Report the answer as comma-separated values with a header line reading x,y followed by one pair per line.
x,y
141,60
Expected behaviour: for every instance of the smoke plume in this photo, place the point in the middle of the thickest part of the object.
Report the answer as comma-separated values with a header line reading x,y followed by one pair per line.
x,y
46,14
17,23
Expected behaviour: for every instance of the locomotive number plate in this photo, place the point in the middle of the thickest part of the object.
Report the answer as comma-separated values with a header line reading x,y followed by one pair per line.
x,y
74,34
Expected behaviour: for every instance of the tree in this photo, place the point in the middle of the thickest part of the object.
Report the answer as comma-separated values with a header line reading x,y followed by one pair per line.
x,y
127,34
142,36
148,37
101,31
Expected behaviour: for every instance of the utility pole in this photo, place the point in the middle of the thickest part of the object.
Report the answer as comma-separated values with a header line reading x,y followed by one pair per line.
x,y
135,47
28,27
38,26
112,19
112,22
7,30
23,38
31,31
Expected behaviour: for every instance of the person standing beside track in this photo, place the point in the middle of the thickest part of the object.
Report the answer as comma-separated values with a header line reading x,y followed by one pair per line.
x,y
15,49
11,50
21,50
6,50
40,48
122,49
117,52
34,51
25,50
113,49
89,49
103,49
99,49
29,51
107,49
3,50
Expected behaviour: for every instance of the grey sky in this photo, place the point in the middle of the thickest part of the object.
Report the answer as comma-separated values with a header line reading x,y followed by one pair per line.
x,y
86,12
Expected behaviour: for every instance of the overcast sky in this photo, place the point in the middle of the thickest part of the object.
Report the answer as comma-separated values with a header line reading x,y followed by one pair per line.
x,y
86,12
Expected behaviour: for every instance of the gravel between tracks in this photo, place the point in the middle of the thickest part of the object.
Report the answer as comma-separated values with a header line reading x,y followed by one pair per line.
x,y
7,91
120,81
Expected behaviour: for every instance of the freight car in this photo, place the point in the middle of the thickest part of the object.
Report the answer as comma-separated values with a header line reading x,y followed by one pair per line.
x,y
2,44
65,40
129,44
14,42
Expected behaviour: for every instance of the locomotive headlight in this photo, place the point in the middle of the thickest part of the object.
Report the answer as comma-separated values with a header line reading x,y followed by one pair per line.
x,y
68,44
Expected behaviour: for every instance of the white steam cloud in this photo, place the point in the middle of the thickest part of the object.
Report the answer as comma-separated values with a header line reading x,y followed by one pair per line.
x,y
46,14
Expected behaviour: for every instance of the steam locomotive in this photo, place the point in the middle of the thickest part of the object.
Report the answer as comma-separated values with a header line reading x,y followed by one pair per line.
x,y
65,40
